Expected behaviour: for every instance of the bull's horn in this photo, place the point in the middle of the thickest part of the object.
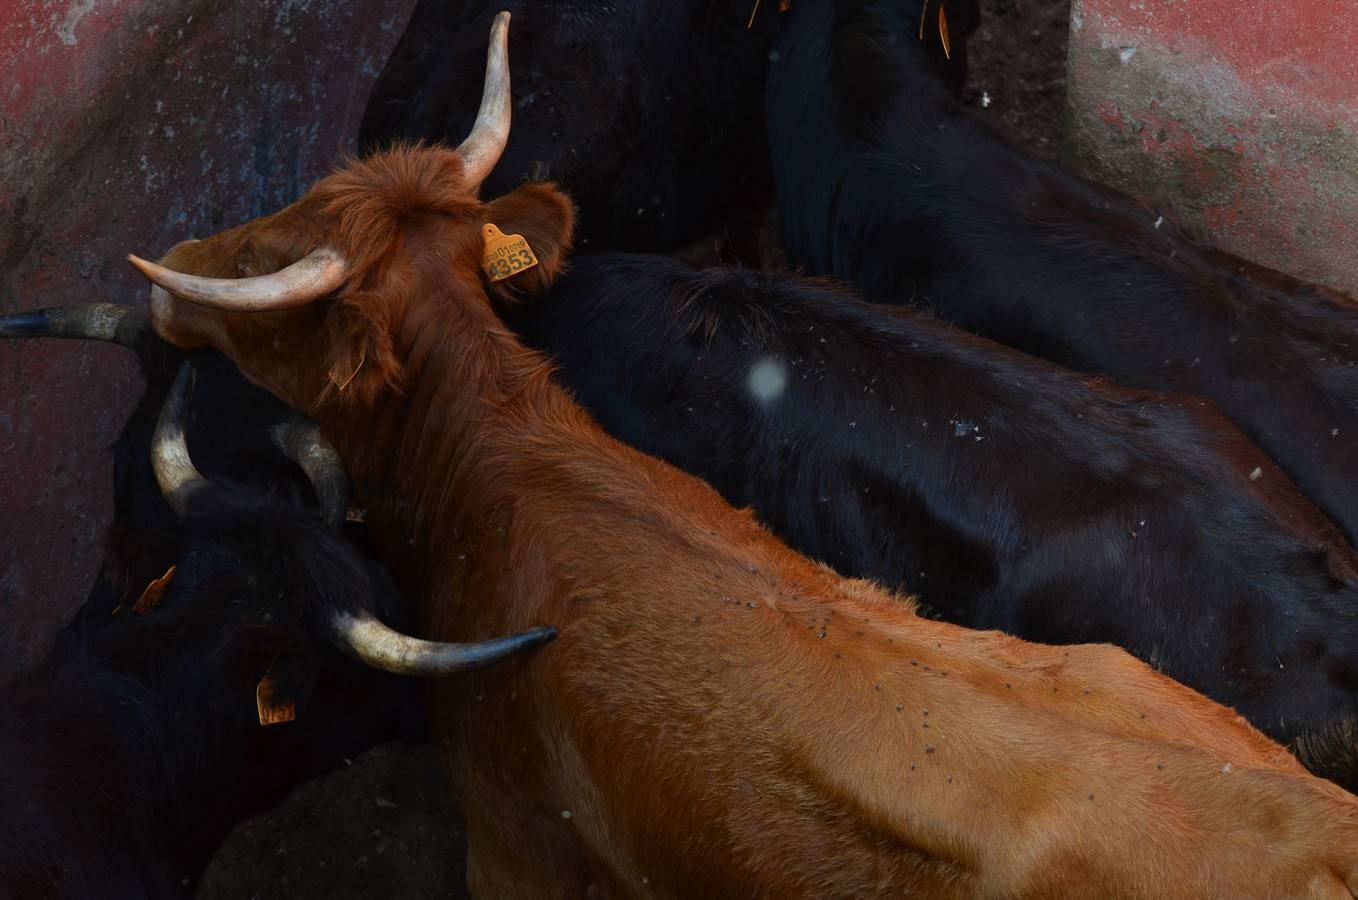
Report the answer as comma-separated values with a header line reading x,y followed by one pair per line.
x,y
384,648
300,440
482,148
175,473
320,272
124,325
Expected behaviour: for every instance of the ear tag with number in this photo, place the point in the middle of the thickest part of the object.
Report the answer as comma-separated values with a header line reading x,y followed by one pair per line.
x,y
272,709
505,254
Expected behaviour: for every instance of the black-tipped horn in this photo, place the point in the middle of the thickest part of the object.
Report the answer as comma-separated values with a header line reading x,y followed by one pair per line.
x,y
125,325
301,441
175,472
384,648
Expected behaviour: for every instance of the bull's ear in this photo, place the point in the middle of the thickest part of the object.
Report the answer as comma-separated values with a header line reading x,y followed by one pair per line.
x,y
545,217
361,362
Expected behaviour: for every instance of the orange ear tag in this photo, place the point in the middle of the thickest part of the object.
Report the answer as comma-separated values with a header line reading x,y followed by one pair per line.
x,y
271,711
151,596
505,254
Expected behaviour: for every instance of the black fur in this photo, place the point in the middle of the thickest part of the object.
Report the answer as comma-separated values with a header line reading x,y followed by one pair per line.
x,y
885,180
131,752
649,112
127,757
1007,492
226,428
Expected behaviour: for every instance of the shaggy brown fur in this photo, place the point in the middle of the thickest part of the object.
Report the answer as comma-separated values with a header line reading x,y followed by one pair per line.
x,y
719,717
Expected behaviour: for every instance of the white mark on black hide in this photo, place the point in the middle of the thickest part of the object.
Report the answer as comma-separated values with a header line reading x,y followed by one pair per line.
x,y
767,380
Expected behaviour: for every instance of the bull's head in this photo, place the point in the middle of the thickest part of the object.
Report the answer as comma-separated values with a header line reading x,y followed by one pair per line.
x,y
306,301
298,300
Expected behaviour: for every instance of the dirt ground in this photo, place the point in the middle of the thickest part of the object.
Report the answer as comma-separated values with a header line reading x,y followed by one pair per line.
x,y
387,826
1018,71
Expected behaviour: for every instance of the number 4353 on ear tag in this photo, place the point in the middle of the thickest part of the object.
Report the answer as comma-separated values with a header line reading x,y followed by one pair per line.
x,y
505,254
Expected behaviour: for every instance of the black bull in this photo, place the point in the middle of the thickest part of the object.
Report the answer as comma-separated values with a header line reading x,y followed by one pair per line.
x,y
885,181
649,112
130,752
1007,492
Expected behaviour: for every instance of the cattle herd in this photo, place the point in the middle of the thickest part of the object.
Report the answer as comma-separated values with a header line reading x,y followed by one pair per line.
x,y
1004,550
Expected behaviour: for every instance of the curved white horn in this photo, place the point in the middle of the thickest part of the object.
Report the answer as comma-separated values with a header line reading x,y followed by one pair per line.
x,y
320,272
482,148
175,472
301,441
382,647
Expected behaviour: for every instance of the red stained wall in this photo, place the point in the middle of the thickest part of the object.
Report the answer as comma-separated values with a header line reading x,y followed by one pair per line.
x,y
128,125
1243,113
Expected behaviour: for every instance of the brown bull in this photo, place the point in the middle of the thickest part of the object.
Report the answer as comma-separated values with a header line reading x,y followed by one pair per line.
x,y
719,717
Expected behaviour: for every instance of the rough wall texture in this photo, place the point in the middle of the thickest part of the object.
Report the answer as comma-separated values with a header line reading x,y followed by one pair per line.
x,y
1243,113
127,125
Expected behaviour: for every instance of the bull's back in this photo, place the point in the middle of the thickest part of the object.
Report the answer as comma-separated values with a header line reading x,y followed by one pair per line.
x,y
715,728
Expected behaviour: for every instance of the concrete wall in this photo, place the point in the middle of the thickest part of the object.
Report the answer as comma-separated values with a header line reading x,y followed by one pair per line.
x,y
1244,113
127,125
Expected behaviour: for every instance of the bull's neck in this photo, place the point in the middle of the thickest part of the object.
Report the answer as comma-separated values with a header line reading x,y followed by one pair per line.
x,y
432,460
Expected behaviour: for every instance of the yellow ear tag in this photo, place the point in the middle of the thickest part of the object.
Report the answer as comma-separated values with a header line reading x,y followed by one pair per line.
x,y
505,254
270,711
943,32
151,596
